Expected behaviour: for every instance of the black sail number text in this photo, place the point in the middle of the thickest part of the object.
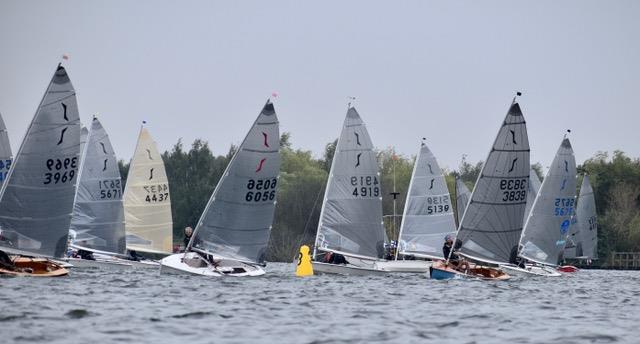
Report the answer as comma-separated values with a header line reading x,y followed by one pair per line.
x,y
261,190
513,190
365,186
438,204
156,193
60,170
110,189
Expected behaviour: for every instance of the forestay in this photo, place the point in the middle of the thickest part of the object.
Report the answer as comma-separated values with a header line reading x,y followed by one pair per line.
x,y
147,201
351,215
547,226
237,220
587,222
36,200
462,198
532,192
428,214
5,152
98,214
492,222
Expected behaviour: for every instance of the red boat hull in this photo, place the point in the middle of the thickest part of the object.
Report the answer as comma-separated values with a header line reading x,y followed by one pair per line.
x,y
568,268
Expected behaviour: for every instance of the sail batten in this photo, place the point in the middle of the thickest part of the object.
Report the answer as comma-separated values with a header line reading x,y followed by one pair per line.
x,y
98,216
428,213
36,199
237,220
351,215
147,200
547,227
491,223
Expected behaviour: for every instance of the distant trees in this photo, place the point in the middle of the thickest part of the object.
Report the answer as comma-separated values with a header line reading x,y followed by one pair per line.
x,y
193,175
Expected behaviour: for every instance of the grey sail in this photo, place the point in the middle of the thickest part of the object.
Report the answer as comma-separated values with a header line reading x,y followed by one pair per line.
x,y
84,133
545,232
236,222
428,213
534,187
587,222
462,198
351,215
98,214
36,200
492,223
5,152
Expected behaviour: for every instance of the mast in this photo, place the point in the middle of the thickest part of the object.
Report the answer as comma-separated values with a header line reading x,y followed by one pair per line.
x,y
404,211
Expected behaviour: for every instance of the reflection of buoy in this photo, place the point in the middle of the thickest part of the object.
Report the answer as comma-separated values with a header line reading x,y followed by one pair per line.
x,y
304,267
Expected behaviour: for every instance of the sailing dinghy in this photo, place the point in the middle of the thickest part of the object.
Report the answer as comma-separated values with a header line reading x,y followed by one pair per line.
x,y
5,152
97,223
147,203
547,227
492,222
428,212
585,238
232,235
36,199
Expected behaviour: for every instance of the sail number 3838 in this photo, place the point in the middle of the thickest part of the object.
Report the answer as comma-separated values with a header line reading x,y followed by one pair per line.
x,y
261,190
513,190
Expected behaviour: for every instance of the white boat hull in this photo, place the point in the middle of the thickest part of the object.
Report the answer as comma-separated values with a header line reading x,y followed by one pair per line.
x,y
348,269
99,263
530,270
409,266
191,263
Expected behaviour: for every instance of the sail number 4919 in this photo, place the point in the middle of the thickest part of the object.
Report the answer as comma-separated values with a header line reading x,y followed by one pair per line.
x,y
365,186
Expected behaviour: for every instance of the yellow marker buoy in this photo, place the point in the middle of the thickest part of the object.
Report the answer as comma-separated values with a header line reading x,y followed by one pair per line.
x,y
304,267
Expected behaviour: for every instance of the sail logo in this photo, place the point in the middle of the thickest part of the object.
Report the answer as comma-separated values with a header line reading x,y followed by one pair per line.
x,y
260,164
430,169
513,164
151,174
103,148
266,144
513,137
564,183
149,153
431,186
357,139
564,227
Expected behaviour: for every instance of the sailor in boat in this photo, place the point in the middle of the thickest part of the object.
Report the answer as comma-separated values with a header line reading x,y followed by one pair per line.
x,y
334,258
84,254
188,232
449,250
515,259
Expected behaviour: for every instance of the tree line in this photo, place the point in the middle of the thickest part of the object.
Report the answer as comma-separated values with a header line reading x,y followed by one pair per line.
x,y
194,173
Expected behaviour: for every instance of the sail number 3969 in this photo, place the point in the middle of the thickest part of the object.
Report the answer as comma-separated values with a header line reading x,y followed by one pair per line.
x,y
62,170
261,190
513,189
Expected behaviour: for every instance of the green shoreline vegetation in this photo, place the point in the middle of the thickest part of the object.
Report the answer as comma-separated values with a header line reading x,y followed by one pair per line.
x,y
193,175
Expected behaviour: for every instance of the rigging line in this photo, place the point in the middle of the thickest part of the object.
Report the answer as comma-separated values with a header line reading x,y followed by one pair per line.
x,y
306,225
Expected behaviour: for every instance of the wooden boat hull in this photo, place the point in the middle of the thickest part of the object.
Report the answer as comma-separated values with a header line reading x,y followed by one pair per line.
x,y
530,270
348,269
440,271
568,268
34,267
193,264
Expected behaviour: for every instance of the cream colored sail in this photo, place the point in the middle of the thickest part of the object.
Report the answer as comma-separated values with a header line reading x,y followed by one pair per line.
x,y
147,204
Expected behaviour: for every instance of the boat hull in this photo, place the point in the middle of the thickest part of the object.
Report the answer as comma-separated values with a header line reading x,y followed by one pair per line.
x,y
346,269
99,263
440,271
192,263
408,266
34,267
568,269
530,270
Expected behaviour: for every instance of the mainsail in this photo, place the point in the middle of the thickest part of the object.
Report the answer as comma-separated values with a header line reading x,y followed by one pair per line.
x,y
428,214
237,220
351,215
462,198
532,192
587,222
492,223
5,152
547,227
98,214
36,199
147,205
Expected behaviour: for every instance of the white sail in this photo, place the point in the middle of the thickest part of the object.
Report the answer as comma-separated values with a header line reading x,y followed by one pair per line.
x,y
98,215
237,221
147,202
492,223
534,187
428,214
351,215
5,152
36,199
587,222
545,232
462,198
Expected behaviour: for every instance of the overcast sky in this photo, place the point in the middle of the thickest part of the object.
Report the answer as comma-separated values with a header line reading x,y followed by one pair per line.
x,y
444,70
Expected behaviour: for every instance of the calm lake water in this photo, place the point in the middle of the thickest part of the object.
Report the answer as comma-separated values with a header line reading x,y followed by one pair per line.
x,y
98,306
